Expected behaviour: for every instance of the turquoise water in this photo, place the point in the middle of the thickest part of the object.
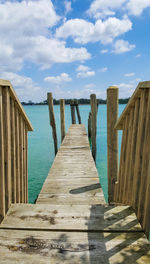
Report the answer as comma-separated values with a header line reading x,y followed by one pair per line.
x,y
41,149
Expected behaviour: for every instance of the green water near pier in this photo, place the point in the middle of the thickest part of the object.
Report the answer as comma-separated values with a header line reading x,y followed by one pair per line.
x,y
41,149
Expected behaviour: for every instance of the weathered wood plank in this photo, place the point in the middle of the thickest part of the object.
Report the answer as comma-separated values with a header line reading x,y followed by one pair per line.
x,y
77,217
75,247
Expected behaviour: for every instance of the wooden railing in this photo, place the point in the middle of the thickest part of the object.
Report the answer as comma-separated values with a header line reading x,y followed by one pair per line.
x,y
14,126
133,183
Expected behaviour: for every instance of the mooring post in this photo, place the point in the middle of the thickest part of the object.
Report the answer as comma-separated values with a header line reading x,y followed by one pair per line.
x,y
93,102
89,126
52,119
112,140
97,104
73,112
62,118
78,112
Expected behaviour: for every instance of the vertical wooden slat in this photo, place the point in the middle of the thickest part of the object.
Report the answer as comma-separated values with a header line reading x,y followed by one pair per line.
x,y
17,140
139,148
132,153
123,160
128,157
7,144
26,148
145,164
2,175
93,102
78,112
13,151
62,118
52,119
21,157
112,140
146,220
24,163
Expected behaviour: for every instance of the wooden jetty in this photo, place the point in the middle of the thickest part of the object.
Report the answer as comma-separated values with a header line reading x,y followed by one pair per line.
x,y
71,223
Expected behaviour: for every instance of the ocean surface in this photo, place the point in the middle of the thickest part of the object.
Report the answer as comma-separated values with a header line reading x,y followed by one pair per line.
x,y
41,148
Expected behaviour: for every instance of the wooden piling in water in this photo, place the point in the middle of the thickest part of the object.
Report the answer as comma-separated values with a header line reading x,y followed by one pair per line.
x,y
89,126
112,140
62,118
93,102
73,117
52,119
78,112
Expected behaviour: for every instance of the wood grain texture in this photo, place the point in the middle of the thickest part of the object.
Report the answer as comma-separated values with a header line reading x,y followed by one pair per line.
x,y
73,178
62,118
77,217
93,103
73,247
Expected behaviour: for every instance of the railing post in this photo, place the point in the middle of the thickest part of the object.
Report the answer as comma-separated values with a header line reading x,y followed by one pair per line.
x,y
89,126
62,118
78,112
73,112
52,119
93,102
112,140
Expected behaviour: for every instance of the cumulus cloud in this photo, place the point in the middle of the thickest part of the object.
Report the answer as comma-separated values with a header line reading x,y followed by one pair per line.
x,y
136,7
25,33
60,79
102,8
83,31
126,89
129,74
84,72
68,8
103,51
25,87
121,46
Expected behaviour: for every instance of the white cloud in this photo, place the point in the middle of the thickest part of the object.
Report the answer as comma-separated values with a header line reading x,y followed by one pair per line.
x,y
138,55
90,86
82,68
103,51
24,86
84,72
25,36
121,46
129,74
62,78
67,6
126,89
102,8
83,31
104,69
136,7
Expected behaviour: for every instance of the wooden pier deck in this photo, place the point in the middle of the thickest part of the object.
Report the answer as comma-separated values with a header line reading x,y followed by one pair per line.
x,y
71,222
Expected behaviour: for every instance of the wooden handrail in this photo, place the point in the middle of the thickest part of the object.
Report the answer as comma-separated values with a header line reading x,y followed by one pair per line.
x,y
5,83
136,94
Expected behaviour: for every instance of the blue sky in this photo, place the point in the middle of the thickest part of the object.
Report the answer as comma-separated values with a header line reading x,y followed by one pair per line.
x,y
74,48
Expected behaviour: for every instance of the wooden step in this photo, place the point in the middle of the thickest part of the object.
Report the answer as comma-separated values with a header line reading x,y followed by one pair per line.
x,y
71,217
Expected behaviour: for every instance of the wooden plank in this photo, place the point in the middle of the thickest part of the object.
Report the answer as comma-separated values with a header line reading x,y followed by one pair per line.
x,y
145,164
139,148
7,147
26,153
21,158
128,157
93,103
2,172
73,247
13,150
78,217
5,83
17,140
24,164
52,119
132,153
146,222
62,118
73,116
112,140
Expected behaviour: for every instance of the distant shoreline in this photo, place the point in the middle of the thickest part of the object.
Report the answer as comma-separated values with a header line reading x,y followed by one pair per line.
x,y
80,102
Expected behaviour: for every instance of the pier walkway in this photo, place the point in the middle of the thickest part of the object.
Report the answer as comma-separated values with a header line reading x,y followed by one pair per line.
x,y
71,222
